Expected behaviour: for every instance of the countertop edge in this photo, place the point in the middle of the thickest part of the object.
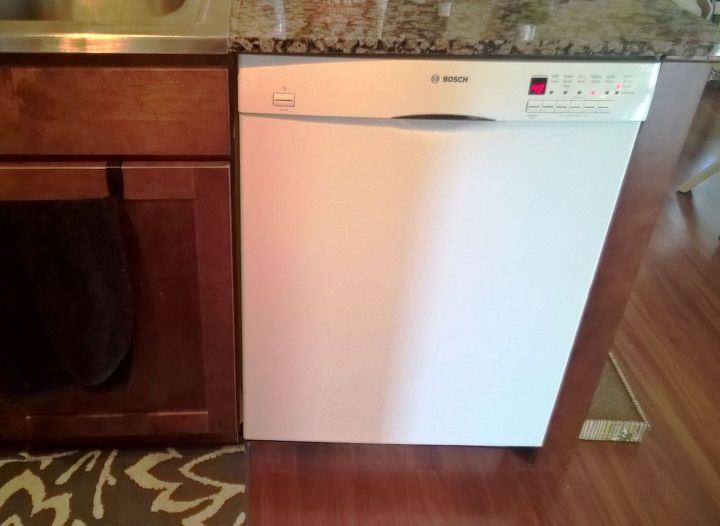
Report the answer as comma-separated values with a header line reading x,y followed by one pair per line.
x,y
560,49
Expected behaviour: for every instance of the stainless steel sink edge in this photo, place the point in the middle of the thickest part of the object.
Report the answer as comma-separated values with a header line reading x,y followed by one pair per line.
x,y
113,43
202,29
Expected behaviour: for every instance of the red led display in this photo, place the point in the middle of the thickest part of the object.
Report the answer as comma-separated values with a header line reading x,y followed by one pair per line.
x,y
538,85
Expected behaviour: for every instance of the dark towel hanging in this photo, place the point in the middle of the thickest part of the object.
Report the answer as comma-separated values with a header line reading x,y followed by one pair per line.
x,y
65,297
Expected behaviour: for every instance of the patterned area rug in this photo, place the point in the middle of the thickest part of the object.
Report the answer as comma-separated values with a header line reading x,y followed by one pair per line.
x,y
185,487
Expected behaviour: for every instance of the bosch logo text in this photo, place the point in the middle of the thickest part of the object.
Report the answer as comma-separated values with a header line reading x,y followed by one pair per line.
x,y
449,79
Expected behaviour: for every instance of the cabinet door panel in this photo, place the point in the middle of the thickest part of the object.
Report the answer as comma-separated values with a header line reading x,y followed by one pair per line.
x,y
114,111
178,234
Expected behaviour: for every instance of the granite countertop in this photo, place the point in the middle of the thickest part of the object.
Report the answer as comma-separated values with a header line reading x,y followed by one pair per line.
x,y
541,28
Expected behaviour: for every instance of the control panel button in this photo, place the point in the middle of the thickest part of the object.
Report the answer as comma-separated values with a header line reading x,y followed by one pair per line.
x,y
284,99
548,106
534,106
589,106
576,106
603,107
562,106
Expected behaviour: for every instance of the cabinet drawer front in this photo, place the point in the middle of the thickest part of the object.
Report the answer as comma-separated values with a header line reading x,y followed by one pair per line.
x,y
114,111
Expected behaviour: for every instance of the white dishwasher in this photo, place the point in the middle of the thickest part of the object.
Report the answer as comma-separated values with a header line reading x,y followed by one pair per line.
x,y
419,238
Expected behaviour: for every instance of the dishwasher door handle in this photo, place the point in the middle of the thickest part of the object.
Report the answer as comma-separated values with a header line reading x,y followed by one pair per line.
x,y
443,117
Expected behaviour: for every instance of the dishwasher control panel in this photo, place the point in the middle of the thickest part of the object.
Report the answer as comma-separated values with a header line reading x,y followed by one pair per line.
x,y
586,92
458,88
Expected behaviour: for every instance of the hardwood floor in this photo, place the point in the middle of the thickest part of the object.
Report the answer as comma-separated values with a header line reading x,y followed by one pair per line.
x,y
669,345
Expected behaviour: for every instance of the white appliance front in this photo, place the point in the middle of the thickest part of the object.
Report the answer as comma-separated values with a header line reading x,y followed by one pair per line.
x,y
417,281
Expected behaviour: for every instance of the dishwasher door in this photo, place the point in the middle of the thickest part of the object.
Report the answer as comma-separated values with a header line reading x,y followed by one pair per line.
x,y
417,281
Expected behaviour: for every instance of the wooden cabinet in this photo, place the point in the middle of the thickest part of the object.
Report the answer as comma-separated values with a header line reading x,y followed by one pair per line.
x,y
176,223
168,121
114,111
